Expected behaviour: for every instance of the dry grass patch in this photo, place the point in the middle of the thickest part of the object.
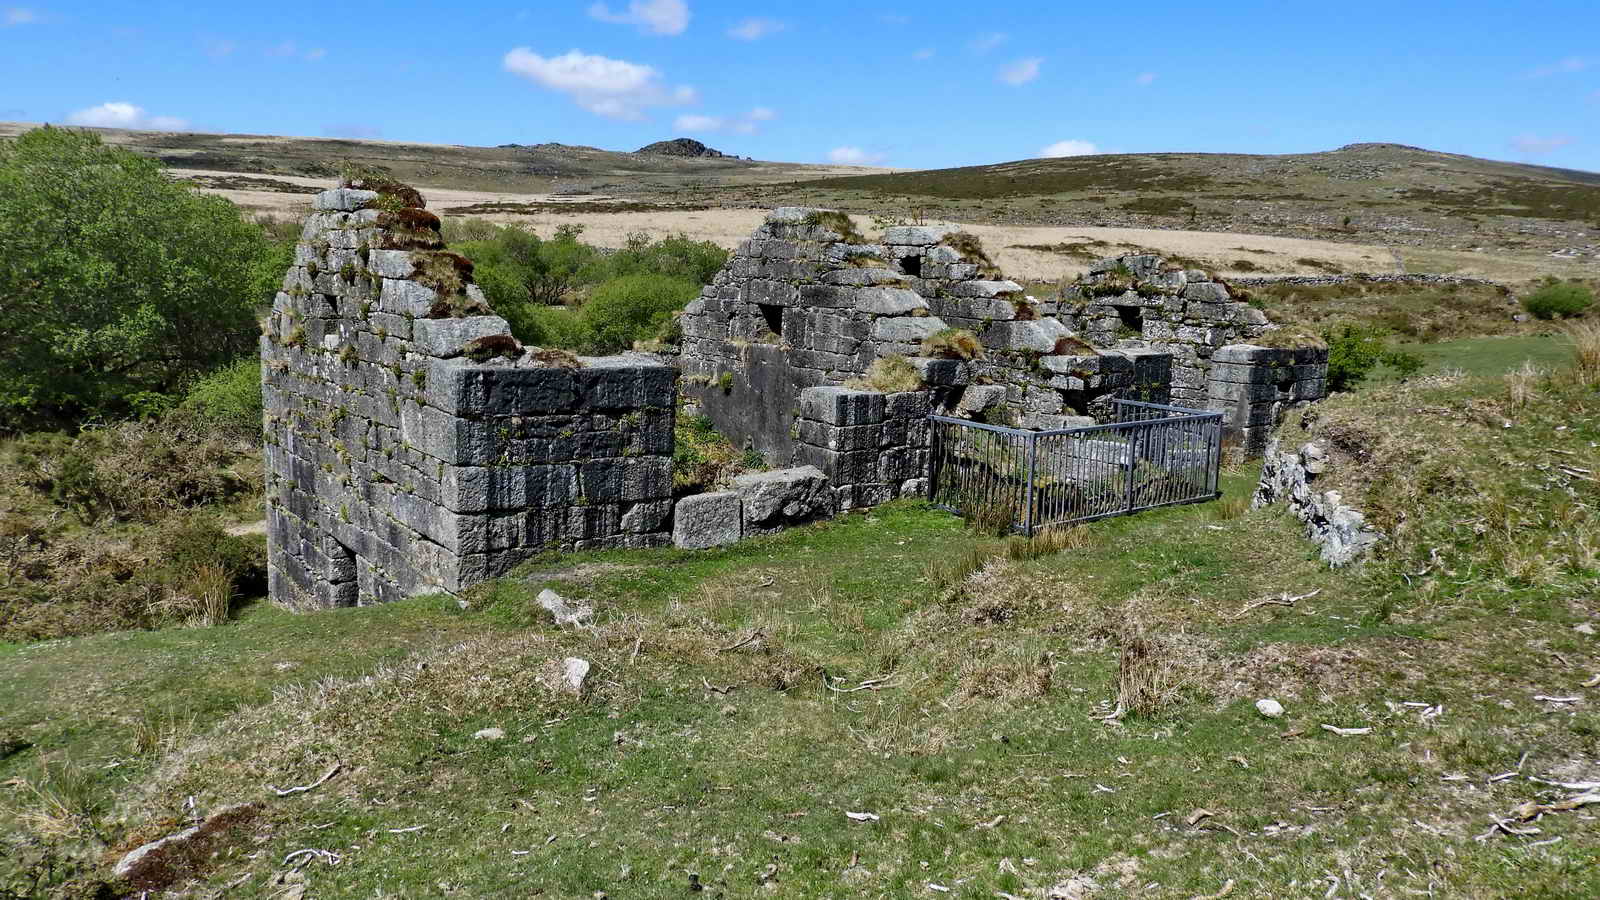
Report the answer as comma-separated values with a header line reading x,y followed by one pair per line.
x,y
1160,662
1586,350
891,374
953,343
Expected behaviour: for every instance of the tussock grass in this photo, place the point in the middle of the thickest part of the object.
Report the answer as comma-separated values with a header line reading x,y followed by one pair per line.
x,y
1158,662
970,246
1522,384
891,374
1586,351
202,596
837,222
953,343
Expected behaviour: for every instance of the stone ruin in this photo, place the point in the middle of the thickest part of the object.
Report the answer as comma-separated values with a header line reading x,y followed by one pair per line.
x,y
414,446
807,302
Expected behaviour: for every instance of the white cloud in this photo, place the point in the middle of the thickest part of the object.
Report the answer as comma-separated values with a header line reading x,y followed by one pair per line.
x,y
1070,148
654,16
1145,78
613,88
1534,145
1022,71
983,43
853,156
749,123
694,122
286,48
924,53
1562,67
122,114
756,29
20,15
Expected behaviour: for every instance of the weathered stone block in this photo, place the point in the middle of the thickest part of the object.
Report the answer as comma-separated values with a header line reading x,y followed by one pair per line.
x,y
842,406
702,521
445,338
1206,292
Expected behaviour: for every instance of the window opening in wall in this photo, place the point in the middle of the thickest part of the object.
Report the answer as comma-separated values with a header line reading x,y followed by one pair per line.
x,y
1131,322
911,265
773,314
342,572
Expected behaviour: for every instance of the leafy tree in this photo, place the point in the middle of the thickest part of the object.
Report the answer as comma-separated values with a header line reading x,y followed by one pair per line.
x,y
676,256
116,283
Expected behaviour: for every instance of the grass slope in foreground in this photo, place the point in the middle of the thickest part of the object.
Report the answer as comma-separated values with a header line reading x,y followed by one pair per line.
x,y
709,752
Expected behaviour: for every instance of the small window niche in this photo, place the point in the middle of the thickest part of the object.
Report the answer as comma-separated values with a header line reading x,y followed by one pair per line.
x,y
772,313
1130,321
911,265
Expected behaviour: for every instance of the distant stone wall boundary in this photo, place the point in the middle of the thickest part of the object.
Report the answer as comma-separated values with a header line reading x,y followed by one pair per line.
x,y
1370,277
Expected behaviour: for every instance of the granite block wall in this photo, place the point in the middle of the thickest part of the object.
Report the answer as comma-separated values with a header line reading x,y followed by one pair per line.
x,y
412,445
872,447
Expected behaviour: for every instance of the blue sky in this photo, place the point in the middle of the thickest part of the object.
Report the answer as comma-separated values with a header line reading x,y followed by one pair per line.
x,y
921,85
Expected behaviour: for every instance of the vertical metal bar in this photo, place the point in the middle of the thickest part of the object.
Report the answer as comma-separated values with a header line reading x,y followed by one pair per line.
x,y
1133,460
1027,497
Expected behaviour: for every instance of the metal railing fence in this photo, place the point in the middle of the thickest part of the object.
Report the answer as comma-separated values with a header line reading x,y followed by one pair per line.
x,y
1153,455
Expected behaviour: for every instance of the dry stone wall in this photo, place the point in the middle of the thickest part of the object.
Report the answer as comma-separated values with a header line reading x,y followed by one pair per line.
x,y
414,446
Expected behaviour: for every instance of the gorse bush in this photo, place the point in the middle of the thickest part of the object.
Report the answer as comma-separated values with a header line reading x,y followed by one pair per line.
x,y
1558,300
117,281
136,471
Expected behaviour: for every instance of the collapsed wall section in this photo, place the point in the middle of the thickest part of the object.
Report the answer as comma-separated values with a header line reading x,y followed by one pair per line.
x,y
413,445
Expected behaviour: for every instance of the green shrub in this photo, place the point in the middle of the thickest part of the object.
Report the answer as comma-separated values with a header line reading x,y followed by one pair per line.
x,y
676,257
702,459
514,266
229,398
1353,350
633,308
1404,364
1558,300
116,280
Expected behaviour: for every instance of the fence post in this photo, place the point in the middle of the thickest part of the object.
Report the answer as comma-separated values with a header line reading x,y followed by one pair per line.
x,y
1133,459
1027,495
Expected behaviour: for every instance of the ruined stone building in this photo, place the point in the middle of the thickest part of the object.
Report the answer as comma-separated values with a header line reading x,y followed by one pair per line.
x,y
807,302
413,445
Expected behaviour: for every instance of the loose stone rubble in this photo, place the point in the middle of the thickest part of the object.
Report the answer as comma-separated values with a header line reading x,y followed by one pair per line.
x,y
1340,529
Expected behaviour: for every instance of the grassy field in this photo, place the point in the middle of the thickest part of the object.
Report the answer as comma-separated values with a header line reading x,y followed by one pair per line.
x,y
743,703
